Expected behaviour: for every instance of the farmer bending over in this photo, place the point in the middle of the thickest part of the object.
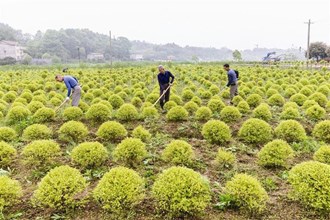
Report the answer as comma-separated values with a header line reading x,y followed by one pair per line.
x,y
164,83
71,83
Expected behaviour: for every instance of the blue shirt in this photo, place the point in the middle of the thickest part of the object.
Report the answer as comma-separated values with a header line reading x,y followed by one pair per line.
x,y
232,79
164,78
70,83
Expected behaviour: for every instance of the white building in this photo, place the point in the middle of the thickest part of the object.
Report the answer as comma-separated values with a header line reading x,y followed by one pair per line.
x,y
11,49
136,56
95,56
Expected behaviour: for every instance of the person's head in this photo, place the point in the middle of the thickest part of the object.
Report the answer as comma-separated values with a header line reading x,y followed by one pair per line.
x,y
59,78
226,66
161,69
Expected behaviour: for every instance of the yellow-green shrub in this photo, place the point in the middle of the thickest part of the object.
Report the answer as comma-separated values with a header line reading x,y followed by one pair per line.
x,y
73,131
262,112
230,114
170,104
291,131
321,131
7,134
10,192
276,100
315,113
116,101
98,113
255,131
111,131
290,113
177,113
17,114
217,132
7,155
73,113
130,151
225,159
216,105
89,154
243,107
44,115
298,98
127,112
322,154
319,98
34,106
254,100
178,153
203,113
149,112
191,107
36,131
141,133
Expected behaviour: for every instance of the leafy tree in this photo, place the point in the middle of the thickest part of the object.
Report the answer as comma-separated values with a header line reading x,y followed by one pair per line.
x,y
317,50
237,55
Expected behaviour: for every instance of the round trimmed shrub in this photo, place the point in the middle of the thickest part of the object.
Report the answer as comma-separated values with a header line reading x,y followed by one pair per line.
x,y
319,98
255,131
254,100
149,112
309,103
119,190
177,113
243,107
298,98
197,100
290,105
290,113
127,112
262,112
230,114
34,106
7,155
41,153
98,112
191,107
276,100
321,131
59,189
315,113
237,99
275,154
247,193
180,191
225,159
178,153
130,151
216,132
136,101
322,154
7,134
10,96
216,105
170,104
141,133
36,132
73,131
152,97
44,115
10,192
89,154
17,114
187,94
203,113
310,184
73,113
116,101
291,131
111,131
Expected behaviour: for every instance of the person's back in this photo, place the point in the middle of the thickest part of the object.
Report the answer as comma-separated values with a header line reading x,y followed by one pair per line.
x,y
232,81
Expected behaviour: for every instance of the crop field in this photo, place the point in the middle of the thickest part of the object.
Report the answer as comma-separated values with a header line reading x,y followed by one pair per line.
x,y
116,156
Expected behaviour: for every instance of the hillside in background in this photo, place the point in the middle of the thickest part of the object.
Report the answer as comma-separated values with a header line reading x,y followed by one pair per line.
x,y
73,44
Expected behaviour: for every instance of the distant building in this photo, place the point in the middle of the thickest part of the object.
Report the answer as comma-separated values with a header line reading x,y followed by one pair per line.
x,y
95,56
11,49
170,58
136,57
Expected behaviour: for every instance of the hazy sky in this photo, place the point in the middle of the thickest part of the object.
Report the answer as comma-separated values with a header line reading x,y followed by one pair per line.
x,y
236,24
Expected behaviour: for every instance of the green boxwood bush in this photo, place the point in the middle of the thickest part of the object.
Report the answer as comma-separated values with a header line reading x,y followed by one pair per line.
x,y
111,131
17,114
73,113
89,154
243,107
291,131
254,100
44,114
230,114
216,105
322,154
98,112
247,193
10,192
203,113
60,188
315,113
191,107
73,131
290,113
127,112
36,132
170,104
225,159
7,134
255,131
34,106
119,190
116,101
310,184
321,131
177,113
180,191
149,113
216,132
319,98
7,155
276,100
141,133
179,152
262,112
131,151
298,98
275,154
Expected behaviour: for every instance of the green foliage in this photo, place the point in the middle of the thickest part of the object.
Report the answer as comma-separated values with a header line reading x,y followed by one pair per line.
x,y
323,154
298,98
149,112
319,98
310,183
225,159
37,131
7,155
111,131
290,113
216,105
191,107
254,100
291,131
247,193
309,103
262,112
177,113
73,131
10,192
119,190
275,154
321,131
60,188
131,151
127,112
44,114
17,114
141,133
34,106
255,131
73,113
170,104
243,107
179,153
180,191
276,100
116,101
203,113
217,132
230,114
98,112
315,113
7,134
41,153
89,154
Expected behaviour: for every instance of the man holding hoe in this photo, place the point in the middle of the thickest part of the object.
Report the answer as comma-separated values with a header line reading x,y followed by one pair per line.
x,y
165,80
71,83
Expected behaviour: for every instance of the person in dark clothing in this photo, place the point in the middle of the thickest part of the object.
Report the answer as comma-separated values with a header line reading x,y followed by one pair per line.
x,y
165,79
232,82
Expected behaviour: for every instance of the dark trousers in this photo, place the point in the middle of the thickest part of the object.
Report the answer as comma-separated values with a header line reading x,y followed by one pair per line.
x,y
165,98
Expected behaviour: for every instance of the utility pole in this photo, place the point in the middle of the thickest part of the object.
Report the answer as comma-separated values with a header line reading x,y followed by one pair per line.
x,y
308,37
78,54
110,51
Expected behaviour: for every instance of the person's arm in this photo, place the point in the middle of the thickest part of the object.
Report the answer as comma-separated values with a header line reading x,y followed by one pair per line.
x,y
67,84
171,76
230,79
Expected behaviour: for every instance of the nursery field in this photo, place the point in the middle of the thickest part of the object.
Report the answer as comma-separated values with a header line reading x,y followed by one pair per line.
x,y
117,156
